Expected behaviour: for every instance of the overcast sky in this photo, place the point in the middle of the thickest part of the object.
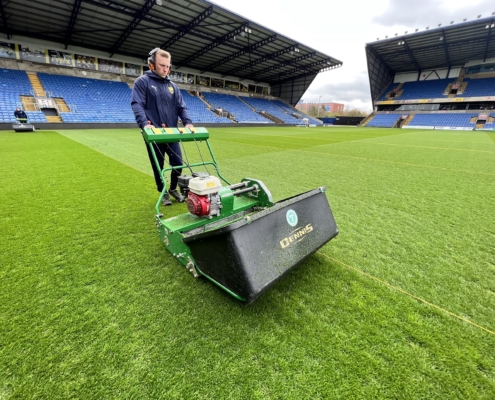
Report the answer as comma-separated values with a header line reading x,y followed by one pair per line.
x,y
341,28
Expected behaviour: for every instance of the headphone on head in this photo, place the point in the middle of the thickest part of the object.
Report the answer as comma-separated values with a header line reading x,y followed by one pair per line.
x,y
151,58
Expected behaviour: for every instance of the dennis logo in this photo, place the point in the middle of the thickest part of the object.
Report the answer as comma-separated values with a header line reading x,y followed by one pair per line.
x,y
298,235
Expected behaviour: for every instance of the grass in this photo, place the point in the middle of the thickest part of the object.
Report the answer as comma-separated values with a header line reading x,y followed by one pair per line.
x,y
399,305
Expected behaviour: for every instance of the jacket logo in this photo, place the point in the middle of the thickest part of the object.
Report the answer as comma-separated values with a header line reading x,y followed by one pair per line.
x,y
154,87
298,235
171,89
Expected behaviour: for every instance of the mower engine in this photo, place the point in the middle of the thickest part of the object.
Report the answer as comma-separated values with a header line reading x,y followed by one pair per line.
x,y
203,198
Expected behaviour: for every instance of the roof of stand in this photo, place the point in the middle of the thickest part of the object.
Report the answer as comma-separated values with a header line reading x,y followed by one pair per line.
x,y
441,47
199,35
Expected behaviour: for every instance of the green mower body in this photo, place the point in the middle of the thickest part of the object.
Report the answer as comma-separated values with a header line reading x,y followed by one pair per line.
x,y
234,235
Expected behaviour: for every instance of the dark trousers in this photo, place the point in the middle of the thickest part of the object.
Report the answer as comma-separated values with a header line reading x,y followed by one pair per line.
x,y
174,158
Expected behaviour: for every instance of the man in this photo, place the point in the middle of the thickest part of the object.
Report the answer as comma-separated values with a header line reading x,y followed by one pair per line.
x,y
156,102
20,115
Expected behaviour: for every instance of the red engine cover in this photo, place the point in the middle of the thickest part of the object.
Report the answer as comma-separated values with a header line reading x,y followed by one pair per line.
x,y
198,205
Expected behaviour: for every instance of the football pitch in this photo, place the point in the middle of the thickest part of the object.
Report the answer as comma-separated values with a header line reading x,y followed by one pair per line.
x,y
399,305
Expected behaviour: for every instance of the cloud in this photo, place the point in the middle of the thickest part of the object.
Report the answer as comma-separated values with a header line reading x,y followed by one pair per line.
x,y
354,94
430,13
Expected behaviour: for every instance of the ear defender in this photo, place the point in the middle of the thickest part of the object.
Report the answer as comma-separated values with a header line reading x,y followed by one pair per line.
x,y
151,58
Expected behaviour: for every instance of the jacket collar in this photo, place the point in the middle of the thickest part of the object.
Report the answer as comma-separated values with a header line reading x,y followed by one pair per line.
x,y
152,75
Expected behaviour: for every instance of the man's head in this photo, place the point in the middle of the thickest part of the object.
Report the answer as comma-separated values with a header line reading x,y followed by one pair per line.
x,y
160,61
18,109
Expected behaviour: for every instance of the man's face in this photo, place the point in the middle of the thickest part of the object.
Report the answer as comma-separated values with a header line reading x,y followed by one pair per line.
x,y
162,65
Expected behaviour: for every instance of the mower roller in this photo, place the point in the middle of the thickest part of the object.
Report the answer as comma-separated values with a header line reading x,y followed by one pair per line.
x,y
23,125
234,235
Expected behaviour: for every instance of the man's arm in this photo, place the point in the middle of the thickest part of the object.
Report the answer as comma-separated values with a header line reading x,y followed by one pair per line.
x,y
138,103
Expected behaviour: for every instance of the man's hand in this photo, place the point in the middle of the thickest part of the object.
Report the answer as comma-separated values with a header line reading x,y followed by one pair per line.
x,y
149,126
189,126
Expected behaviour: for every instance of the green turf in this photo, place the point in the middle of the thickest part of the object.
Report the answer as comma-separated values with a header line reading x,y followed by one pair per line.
x,y
92,305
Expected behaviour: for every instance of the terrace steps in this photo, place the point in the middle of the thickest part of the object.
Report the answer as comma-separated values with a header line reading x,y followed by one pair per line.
x,y
407,120
368,119
39,91
28,103
62,105
53,118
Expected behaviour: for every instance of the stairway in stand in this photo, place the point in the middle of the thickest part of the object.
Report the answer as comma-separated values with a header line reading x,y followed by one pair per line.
x,y
28,103
36,84
53,118
62,105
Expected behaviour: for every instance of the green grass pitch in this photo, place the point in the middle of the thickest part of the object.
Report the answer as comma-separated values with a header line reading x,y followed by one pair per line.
x,y
399,306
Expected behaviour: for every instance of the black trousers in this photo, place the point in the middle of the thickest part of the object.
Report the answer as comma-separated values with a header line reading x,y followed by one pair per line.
x,y
174,154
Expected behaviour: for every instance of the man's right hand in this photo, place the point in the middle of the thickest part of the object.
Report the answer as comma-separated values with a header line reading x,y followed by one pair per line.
x,y
149,126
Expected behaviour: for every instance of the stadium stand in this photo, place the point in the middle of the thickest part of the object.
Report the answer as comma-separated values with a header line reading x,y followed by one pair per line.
x,y
272,109
291,110
451,120
419,90
478,87
383,120
104,101
240,111
14,84
490,123
90,100
199,112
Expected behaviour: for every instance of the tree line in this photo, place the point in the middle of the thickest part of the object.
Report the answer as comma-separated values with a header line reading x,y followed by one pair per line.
x,y
319,112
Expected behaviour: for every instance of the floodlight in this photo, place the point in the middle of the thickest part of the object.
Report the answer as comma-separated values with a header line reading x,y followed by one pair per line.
x,y
416,30
427,28
439,25
464,20
451,22
386,37
479,16
396,34
405,33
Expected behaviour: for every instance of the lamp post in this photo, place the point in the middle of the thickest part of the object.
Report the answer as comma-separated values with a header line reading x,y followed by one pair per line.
x,y
319,100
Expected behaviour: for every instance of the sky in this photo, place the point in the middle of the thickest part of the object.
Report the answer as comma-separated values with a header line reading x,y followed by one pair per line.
x,y
341,28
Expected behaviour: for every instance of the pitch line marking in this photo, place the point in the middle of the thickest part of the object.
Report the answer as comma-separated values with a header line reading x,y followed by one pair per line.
x,y
409,294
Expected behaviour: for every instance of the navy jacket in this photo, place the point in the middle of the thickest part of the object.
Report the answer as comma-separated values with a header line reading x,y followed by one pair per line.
x,y
20,114
158,100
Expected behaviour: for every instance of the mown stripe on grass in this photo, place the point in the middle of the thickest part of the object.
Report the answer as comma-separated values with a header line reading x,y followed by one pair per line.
x,y
408,294
368,159
92,305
